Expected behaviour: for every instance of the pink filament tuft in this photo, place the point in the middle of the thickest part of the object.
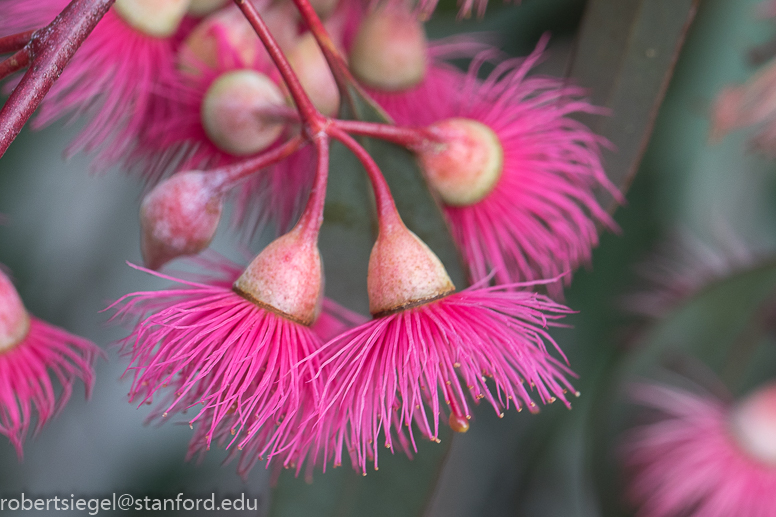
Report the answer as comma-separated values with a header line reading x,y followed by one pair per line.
x,y
26,377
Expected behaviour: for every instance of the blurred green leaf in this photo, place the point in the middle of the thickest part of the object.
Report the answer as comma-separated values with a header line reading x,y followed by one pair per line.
x,y
626,51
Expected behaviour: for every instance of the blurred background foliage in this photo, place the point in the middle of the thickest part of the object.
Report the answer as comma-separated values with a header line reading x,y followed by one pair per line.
x,y
67,235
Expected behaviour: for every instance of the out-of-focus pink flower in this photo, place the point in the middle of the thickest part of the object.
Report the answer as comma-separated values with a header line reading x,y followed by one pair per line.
x,y
703,457
682,267
537,217
113,78
33,354
752,103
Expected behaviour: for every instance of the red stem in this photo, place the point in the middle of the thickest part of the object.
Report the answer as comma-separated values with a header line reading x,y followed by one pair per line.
x,y
51,49
313,120
312,217
226,177
410,137
15,63
336,62
15,42
387,214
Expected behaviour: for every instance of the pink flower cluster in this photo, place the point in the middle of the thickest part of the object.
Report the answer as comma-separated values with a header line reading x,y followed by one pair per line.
x,y
210,114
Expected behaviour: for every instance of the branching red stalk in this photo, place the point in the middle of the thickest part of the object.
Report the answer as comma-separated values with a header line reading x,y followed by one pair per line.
x,y
337,63
14,63
312,119
312,217
227,176
51,48
15,42
387,214
409,137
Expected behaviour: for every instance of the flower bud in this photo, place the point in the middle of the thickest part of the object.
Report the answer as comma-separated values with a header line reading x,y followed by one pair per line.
x,y
389,51
287,277
158,18
14,320
236,112
753,422
223,34
201,8
466,165
403,271
307,60
179,217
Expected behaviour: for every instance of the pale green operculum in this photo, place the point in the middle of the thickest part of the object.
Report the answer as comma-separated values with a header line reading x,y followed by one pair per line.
x,y
467,163
390,50
237,112
158,18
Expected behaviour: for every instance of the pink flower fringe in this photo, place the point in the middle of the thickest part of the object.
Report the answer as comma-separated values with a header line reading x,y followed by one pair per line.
x,y
387,372
26,372
688,464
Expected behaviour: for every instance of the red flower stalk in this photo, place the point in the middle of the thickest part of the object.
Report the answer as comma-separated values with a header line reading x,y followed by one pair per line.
x,y
33,354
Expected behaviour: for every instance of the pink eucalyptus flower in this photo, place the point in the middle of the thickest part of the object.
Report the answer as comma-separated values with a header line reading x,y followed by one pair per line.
x,y
517,175
749,104
703,457
388,372
113,78
32,354
426,338
206,344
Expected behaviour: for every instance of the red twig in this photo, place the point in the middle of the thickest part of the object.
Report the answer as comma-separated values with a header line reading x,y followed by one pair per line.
x,y
312,217
15,42
227,176
50,48
14,63
312,119
387,213
336,62
410,137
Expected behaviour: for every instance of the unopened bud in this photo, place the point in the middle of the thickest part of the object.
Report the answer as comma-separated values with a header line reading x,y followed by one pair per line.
x,y
403,271
753,422
159,18
287,277
237,112
389,51
466,165
179,217
14,320
314,73
201,8
223,35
